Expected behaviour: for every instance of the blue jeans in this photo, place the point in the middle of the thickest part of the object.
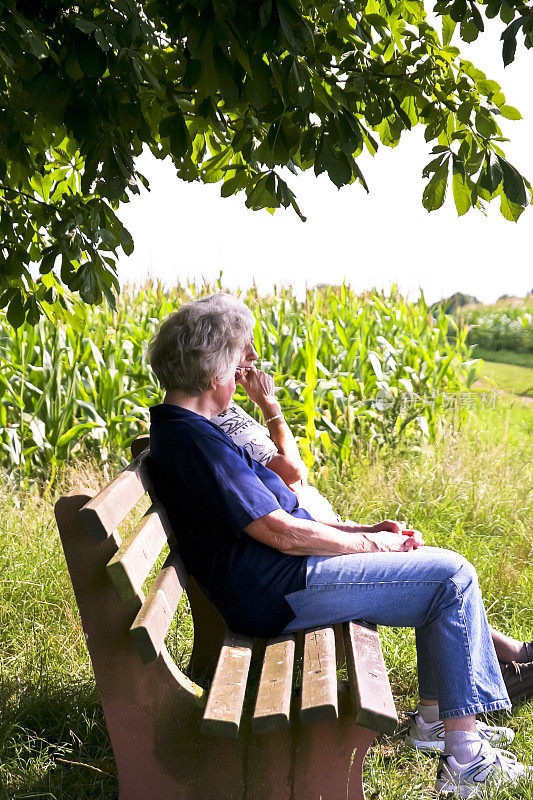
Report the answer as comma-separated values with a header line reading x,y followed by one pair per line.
x,y
435,591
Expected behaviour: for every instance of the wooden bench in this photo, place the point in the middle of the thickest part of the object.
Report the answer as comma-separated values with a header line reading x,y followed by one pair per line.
x,y
244,740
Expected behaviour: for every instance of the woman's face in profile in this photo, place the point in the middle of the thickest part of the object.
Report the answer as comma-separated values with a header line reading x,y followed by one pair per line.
x,y
249,355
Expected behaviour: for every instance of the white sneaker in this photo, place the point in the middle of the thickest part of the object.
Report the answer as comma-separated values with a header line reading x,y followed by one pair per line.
x,y
430,735
490,767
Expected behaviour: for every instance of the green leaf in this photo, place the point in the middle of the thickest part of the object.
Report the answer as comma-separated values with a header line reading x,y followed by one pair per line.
x,y
74,432
15,310
258,86
477,18
435,192
461,193
360,177
294,28
235,184
259,196
491,176
485,125
226,79
126,241
176,130
376,20
509,210
509,112
469,30
300,89
471,377
32,311
376,365
513,183
334,162
82,23
458,10
6,296
448,28
433,165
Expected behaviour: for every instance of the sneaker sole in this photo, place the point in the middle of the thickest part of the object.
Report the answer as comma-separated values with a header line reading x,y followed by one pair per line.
x,y
436,746
445,787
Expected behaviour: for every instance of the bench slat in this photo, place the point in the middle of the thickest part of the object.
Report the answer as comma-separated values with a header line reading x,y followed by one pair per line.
x,y
273,704
153,620
369,681
102,515
319,678
131,564
222,716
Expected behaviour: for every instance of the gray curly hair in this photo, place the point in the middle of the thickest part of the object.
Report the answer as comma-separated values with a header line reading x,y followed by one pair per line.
x,y
203,340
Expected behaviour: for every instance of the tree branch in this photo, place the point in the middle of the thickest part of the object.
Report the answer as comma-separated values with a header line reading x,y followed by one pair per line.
x,y
4,188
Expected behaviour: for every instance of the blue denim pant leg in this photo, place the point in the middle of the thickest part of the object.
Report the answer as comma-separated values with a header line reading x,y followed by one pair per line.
x,y
435,591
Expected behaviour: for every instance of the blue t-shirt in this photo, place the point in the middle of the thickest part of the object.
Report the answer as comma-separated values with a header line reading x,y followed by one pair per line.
x,y
211,490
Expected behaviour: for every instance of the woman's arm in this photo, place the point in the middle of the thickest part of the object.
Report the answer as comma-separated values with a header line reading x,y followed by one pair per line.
x,y
295,536
386,525
288,463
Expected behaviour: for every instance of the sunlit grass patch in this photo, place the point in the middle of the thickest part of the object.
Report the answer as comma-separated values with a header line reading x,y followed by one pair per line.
x,y
510,378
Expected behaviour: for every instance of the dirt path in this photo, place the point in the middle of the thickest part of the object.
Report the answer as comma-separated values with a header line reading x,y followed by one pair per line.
x,y
485,387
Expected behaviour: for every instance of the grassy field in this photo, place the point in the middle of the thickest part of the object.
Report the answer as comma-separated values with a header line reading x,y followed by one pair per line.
x,y
472,491
505,371
505,357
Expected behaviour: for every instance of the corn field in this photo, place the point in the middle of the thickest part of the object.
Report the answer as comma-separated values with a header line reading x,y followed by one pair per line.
x,y
353,372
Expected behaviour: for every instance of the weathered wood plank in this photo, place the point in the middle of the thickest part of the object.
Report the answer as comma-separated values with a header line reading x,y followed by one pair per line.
x,y
273,703
222,716
319,676
102,515
131,564
369,681
153,620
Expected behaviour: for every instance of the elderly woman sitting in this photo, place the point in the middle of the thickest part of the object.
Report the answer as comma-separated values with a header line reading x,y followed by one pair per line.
x,y
270,567
274,446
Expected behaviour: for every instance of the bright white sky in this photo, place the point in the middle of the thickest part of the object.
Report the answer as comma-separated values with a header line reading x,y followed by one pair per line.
x,y
187,231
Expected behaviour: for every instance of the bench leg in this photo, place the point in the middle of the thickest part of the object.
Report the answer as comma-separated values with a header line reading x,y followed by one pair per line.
x,y
326,769
322,762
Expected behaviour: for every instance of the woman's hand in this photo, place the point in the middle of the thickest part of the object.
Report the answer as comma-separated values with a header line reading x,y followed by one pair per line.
x,y
384,536
387,525
260,388
394,542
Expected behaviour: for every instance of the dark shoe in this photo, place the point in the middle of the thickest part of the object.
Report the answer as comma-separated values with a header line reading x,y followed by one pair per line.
x,y
529,650
518,679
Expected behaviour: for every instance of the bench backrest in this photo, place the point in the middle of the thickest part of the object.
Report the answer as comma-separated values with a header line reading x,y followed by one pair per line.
x,y
136,556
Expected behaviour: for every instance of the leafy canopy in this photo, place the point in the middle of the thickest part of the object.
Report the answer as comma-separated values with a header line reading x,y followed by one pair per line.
x,y
231,91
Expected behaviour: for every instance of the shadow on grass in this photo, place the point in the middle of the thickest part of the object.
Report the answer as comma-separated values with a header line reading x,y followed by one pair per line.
x,y
54,744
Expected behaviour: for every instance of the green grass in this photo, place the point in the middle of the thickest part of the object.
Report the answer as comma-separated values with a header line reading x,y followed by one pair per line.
x,y
508,378
472,490
504,357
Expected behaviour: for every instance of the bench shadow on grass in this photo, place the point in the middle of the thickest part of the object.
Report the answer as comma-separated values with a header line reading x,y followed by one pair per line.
x,y
54,744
